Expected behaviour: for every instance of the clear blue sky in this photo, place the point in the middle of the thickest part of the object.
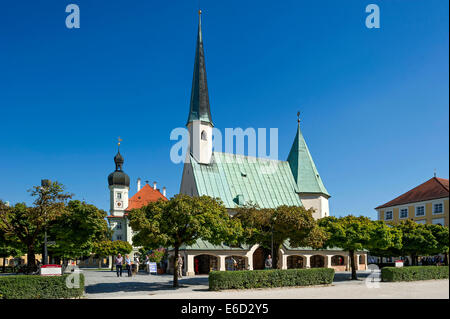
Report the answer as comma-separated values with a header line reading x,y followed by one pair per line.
x,y
375,103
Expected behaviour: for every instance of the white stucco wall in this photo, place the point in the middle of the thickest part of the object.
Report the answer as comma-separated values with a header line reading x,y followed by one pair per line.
x,y
318,202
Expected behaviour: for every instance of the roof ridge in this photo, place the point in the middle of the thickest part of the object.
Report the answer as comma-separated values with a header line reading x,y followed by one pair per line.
x,y
438,179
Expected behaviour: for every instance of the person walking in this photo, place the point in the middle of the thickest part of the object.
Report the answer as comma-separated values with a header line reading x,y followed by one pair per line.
x,y
119,262
147,264
180,266
128,265
136,260
268,262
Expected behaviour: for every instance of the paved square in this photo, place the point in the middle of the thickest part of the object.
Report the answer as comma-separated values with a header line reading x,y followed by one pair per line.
x,y
105,284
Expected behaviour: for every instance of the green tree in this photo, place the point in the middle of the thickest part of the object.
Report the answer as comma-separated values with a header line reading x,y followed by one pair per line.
x,y
27,224
9,247
385,241
267,226
441,235
77,229
183,220
417,239
106,248
353,234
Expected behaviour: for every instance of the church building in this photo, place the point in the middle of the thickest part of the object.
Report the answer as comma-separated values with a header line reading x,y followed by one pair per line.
x,y
238,180
121,204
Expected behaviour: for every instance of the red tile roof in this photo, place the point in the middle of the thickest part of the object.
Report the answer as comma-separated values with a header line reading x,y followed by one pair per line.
x,y
146,195
432,189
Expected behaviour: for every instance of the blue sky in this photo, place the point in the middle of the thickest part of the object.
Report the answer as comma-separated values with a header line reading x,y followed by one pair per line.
x,y
374,102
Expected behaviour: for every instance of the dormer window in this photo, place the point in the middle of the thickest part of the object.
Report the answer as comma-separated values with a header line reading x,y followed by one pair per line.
x,y
204,136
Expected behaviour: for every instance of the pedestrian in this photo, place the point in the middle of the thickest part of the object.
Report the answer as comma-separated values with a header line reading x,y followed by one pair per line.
x,y
119,262
128,265
147,264
268,262
136,259
234,263
180,266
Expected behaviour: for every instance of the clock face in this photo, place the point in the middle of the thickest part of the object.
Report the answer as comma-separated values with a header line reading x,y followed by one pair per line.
x,y
119,204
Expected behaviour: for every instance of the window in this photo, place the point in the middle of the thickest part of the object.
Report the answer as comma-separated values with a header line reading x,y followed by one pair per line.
x,y
438,208
423,221
119,226
119,195
420,211
404,213
438,221
119,237
388,215
204,136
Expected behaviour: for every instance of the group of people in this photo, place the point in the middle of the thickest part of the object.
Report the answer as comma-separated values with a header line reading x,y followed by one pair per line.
x,y
119,262
432,261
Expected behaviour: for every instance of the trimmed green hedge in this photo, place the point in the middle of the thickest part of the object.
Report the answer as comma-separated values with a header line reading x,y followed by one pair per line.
x,y
412,273
38,287
247,279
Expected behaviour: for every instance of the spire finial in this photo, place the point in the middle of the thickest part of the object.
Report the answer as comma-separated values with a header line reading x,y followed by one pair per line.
x,y
434,172
298,117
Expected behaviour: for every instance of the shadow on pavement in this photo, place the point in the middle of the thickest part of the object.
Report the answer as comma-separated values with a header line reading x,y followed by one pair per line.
x,y
346,276
131,286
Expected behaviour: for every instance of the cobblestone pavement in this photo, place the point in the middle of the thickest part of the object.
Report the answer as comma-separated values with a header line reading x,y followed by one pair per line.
x,y
105,285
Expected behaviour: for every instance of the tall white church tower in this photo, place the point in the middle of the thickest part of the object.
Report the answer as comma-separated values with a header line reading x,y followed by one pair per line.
x,y
199,122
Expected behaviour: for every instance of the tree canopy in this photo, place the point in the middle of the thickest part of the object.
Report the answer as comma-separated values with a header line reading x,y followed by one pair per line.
x,y
77,229
285,223
353,234
183,220
27,224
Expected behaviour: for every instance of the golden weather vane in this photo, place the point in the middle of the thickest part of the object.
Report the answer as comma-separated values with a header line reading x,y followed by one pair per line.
x,y
119,140
298,116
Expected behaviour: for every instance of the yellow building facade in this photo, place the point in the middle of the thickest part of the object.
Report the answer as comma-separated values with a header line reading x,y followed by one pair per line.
x,y
427,203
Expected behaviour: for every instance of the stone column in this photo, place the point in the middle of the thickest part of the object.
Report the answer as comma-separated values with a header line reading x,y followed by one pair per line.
x,y
328,261
308,261
189,266
222,263
357,261
249,260
284,261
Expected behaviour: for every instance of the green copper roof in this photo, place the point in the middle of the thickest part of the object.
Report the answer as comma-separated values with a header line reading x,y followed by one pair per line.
x,y
238,180
201,244
199,108
303,168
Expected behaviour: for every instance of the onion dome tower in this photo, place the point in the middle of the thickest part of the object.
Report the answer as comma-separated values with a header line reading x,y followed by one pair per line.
x,y
119,186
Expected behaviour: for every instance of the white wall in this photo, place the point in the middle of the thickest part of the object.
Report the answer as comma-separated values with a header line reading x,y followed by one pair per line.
x,y
200,149
116,210
318,202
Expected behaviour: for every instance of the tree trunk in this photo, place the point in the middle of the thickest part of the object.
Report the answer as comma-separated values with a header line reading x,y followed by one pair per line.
x,y
275,256
4,264
175,267
353,264
31,260
413,260
446,259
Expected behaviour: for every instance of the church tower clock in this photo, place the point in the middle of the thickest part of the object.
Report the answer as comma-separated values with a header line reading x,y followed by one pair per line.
x,y
119,185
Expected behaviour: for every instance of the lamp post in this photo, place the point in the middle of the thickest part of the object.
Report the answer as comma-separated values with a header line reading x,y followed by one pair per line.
x,y
273,221
45,183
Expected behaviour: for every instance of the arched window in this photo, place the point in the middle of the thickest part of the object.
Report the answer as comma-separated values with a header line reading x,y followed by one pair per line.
x,y
204,136
337,260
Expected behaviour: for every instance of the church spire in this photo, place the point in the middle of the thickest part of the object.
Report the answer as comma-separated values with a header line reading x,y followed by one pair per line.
x,y
199,107
302,166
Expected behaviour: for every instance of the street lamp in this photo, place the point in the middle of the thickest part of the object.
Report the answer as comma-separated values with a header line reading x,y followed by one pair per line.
x,y
45,183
